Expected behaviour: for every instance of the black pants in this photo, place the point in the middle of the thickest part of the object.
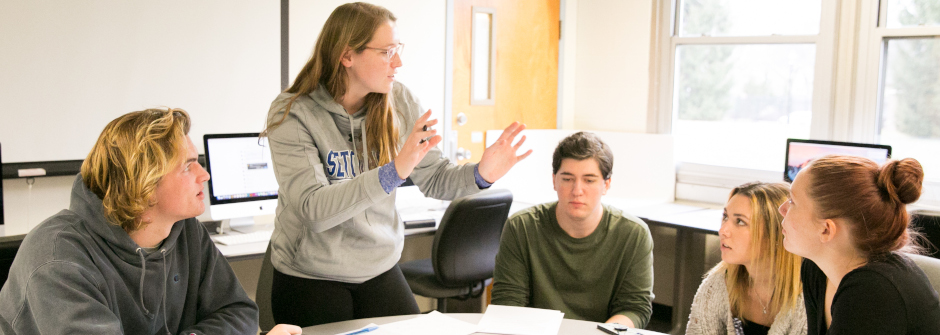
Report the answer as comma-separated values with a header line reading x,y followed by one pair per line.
x,y
308,302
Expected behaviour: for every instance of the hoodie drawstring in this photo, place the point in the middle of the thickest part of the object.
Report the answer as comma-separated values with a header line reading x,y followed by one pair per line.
x,y
365,145
165,274
143,274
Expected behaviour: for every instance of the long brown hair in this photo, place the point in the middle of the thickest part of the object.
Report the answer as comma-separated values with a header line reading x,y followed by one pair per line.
x,y
352,26
873,199
766,249
131,156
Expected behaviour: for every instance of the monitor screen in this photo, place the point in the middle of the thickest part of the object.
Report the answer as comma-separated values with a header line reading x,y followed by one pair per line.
x,y
242,179
801,152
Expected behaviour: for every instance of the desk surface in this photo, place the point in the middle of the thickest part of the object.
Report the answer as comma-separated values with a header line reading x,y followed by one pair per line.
x,y
568,327
698,217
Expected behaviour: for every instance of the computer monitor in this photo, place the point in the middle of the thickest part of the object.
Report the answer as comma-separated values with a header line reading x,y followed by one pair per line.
x,y
242,183
801,152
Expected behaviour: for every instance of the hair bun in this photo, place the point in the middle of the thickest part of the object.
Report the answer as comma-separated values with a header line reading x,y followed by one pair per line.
x,y
902,180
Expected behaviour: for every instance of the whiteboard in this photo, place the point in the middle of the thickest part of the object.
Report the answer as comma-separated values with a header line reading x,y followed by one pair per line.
x,y
67,68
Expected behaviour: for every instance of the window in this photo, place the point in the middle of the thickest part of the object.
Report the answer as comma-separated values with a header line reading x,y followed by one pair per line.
x,y
906,35
737,77
743,77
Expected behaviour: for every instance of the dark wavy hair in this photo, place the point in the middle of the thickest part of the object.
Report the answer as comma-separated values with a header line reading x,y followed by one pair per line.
x,y
581,146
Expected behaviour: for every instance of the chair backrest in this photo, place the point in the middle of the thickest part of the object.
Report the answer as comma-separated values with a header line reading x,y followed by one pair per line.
x,y
931,267
263,292
467,238
928,224
8,247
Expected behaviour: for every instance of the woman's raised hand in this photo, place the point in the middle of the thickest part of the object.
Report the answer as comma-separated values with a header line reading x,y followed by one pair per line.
x,y
501,156
419,142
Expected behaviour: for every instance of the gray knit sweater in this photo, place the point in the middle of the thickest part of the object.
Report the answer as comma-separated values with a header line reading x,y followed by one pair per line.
x,y
711,312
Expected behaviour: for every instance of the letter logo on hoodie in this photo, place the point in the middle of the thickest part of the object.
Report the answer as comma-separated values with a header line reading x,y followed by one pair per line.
x,y
340,164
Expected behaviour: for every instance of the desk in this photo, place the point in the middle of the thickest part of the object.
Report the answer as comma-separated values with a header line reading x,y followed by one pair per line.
x,y
690,228
568,327
240,252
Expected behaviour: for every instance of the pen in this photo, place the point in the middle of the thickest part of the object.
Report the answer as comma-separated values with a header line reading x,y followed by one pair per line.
x,y
363,330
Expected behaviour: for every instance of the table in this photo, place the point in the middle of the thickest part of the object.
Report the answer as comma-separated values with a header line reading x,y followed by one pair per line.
x,y
568,327
692,221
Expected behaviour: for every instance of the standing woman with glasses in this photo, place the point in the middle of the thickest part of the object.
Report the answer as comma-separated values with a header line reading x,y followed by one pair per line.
x,y
343,137
847,217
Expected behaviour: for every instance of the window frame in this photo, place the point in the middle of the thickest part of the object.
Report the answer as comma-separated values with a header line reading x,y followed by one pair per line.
x,y
848,80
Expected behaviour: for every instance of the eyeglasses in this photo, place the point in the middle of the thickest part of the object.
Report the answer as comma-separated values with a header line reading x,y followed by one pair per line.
x,y
390,53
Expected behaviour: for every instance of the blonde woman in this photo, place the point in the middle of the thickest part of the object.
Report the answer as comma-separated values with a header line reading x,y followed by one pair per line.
x,y
756,287
342,138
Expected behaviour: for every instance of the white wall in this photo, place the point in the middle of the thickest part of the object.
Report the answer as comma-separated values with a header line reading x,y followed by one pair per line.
x,y
420,24
612,65
423,73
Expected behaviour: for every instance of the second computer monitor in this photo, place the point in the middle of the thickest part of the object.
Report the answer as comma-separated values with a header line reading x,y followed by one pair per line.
x,y
242,183
801,152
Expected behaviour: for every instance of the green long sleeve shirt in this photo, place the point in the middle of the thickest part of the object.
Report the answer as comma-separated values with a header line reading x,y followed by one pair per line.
x,y
607,273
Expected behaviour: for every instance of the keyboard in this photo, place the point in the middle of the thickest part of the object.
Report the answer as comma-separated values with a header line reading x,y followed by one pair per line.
x,y
252,237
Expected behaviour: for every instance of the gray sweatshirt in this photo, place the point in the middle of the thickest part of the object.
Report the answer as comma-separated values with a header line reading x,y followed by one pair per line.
x,y
77,274
335,221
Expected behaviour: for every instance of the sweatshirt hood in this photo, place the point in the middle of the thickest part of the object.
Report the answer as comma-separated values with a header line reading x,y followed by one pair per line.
x,y
90,208
347,124
323,98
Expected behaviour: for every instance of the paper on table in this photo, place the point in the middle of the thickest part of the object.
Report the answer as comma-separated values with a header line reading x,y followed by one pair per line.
x,y
433,323
520,320
370,329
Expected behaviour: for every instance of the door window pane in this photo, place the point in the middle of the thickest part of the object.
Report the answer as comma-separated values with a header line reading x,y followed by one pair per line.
x,y
910,107
735,105
913,13
748,17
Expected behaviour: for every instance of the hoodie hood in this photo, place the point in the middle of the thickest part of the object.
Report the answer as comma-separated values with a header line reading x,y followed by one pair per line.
x,y
90,208
350,126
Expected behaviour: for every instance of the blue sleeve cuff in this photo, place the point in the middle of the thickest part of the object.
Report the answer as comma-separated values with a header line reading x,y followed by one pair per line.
x,y
388,177
481,183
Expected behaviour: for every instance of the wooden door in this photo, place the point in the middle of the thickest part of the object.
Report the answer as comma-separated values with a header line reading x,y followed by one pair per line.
x,y
526,74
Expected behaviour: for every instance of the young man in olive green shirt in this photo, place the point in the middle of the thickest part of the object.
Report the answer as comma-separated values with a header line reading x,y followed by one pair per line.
x,y
588,260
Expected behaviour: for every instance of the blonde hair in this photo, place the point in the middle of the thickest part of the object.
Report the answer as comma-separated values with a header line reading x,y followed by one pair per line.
x,y
349,26
767,250
130,157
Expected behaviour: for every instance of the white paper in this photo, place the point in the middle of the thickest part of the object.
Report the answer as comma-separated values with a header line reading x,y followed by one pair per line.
x,y
366,331
520,320
433,323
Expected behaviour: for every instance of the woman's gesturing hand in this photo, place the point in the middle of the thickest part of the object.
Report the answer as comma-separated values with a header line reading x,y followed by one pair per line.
x,y
501,156
421,139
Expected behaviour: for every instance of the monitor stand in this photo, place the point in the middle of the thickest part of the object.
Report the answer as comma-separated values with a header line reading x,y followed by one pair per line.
x,y
247,225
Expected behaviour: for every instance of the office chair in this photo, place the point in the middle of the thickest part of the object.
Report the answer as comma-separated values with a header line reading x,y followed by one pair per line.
x,y
928,224
263,293
464,252
8,247
931,267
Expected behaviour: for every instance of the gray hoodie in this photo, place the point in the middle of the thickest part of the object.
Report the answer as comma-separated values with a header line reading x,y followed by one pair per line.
x,y
334,219
77,274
